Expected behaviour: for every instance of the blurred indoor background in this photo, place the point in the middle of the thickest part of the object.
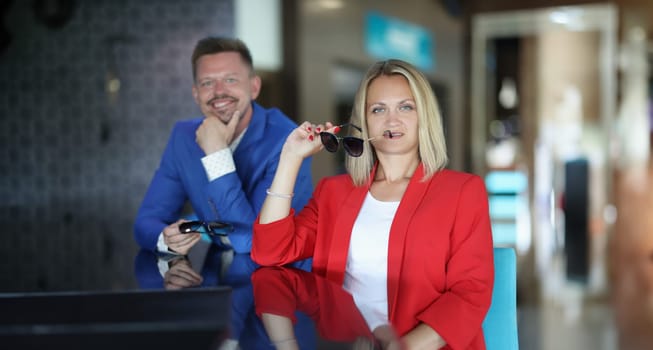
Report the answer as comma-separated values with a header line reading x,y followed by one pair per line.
x,y
549,101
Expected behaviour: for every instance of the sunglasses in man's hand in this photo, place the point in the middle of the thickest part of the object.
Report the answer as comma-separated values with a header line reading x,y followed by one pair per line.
x,y
212,228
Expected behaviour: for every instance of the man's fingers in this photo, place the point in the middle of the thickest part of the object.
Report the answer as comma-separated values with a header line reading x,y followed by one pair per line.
x,y
182,238
182,242
181,275
233,122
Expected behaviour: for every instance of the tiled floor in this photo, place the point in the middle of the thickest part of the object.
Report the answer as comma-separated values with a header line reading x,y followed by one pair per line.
x,y
570,325
567,316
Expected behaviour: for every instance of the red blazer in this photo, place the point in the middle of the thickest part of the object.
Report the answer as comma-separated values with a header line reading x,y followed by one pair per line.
x,y
282,291
440,263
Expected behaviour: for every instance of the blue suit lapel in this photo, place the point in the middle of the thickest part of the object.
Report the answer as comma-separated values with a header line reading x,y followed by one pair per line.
x,y
254,134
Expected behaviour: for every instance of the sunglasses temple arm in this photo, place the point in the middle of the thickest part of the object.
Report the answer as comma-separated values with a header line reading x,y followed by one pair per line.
x,y
350,124
355,127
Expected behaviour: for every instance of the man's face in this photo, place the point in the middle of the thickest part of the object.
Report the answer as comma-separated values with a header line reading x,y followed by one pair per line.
x,y
223,84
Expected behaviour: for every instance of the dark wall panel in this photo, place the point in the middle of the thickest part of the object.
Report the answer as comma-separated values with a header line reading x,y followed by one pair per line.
x,y
75,157
576,207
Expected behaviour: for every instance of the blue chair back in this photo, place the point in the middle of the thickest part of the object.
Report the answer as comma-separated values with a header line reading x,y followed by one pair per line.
x,y
500,324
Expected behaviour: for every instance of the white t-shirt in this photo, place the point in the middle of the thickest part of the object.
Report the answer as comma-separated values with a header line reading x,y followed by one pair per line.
x,y
366,273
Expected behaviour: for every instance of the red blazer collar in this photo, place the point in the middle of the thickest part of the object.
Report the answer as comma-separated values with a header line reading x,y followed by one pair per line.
x,y
345,222
335,269
396,251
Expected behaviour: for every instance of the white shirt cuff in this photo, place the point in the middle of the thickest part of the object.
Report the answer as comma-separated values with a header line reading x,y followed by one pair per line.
x,y
161,244
218,163
163,266
229,344
162,247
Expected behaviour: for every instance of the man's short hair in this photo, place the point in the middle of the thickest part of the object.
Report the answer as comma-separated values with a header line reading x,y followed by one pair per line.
x,y
212,45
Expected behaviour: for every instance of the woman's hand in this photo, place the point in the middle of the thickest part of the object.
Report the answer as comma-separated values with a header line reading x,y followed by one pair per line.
x,y
302,142
305,141
387,338
280,331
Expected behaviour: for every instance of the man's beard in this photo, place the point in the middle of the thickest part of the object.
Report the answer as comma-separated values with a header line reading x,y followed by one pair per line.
x,y
226,113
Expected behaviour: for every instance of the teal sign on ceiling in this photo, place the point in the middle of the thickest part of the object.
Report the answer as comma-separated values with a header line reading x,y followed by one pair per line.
x,y
388,37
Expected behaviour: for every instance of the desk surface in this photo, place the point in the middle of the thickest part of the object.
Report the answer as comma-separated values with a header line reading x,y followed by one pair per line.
x,y
206,300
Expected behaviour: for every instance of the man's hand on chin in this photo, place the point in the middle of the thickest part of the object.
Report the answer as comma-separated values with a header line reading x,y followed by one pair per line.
x,y
213,134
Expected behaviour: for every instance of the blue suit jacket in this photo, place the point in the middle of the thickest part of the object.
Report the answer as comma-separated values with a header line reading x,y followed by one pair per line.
x,y
235,197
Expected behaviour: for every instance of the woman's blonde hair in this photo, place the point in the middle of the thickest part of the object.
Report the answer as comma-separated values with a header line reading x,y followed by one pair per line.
x,y
432,146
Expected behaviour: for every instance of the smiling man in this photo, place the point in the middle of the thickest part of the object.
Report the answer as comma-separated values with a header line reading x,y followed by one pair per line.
x,y
222,162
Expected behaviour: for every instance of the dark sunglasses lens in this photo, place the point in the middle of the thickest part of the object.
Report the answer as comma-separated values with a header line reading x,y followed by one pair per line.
x,y
220,228
353,146
191,226
329,140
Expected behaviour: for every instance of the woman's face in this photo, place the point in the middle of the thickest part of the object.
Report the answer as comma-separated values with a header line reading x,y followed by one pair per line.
x,y
392,115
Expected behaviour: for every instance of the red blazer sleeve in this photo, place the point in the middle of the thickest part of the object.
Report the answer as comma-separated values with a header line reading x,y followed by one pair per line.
x,y
457,315
279,243
282,291
292,238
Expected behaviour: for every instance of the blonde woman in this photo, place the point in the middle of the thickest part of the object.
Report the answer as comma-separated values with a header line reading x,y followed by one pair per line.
x,y
408,238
